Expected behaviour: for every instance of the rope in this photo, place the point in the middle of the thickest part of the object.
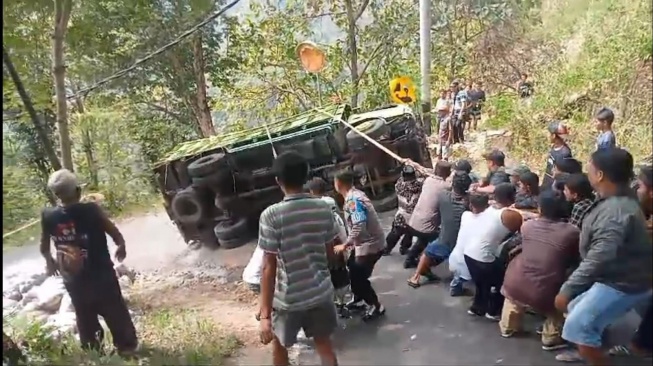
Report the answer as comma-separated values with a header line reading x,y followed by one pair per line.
x,y
159,51
401,160
29,224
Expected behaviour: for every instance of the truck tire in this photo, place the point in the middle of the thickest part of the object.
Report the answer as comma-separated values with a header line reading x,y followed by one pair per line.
x,y
234,243
213,179
206,165
187,207
231,229
373,128
387,203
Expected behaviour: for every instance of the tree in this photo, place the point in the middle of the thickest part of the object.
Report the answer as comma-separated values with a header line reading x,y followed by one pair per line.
x,y
29,106
62,9
185,73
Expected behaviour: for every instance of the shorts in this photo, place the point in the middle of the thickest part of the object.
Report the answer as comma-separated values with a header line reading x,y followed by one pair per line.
x,y
475,112
436,251
594,310
317,322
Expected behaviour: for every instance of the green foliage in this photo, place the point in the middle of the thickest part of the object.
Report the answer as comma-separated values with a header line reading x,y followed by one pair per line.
x,y
605,61
166,337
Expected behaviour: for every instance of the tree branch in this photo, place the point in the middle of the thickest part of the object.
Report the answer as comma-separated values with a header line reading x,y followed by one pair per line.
x,y
284,90
324,15
361,10
369,61
163,109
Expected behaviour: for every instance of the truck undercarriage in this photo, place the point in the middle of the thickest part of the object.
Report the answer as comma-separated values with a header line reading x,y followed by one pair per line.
x,y
214,189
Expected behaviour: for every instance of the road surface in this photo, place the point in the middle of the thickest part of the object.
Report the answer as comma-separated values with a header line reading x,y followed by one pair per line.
x,y
422,326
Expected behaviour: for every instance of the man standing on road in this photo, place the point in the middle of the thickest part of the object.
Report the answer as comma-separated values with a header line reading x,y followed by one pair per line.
x,y
614,275
450,208
425,221
297,234
367,239
78,231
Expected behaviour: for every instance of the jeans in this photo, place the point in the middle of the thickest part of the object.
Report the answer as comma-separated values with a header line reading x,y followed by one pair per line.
x,y
423,239
437,252
591,312
488,279
456,285
360,271
102,297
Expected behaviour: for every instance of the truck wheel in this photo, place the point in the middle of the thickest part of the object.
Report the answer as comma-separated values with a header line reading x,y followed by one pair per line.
x,y
187,207
234,243
213,179
387,203
231,229
373,128
206,165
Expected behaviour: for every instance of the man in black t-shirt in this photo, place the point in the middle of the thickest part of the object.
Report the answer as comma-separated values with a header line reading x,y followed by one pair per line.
x,y
82,258
559,151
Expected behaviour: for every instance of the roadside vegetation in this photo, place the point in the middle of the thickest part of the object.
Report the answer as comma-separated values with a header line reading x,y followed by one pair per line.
x,y
168,337
581,55
602,58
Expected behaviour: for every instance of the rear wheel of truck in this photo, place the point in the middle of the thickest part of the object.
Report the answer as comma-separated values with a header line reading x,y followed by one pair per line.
x,y
206,165
231,229
387,203
187,207
234,243
373,128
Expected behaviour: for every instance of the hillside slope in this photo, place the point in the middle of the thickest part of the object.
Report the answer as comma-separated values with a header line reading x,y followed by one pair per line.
x,y
601,57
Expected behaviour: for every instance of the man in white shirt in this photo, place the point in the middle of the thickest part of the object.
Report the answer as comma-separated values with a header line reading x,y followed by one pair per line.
x,y
482,252
469,223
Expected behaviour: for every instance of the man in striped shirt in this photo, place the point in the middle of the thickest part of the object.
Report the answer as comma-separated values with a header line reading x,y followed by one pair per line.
x,y
297,236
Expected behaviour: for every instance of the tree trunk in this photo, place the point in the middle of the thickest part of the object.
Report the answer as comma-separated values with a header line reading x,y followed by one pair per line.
x,y
353,51
27,102
62,9
203,111
87,144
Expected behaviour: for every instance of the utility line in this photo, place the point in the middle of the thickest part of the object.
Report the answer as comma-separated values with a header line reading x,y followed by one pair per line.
x,y
159,51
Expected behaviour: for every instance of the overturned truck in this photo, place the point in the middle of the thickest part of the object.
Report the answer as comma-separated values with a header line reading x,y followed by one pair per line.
x,y
214,189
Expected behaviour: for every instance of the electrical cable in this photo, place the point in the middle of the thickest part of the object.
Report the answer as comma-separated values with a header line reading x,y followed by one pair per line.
x,y
159,51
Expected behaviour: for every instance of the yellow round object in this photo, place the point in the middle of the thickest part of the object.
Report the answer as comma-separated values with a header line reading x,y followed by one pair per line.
x,y
402,90
311,56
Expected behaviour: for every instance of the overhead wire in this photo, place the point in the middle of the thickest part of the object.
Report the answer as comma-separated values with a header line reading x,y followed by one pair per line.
x,y
160,50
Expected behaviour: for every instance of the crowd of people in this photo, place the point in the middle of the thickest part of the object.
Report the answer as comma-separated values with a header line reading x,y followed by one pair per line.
x,y
458,109
574,248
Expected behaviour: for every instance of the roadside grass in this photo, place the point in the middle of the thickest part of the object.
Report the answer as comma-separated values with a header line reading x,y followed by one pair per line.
x,y
167,337
606,59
